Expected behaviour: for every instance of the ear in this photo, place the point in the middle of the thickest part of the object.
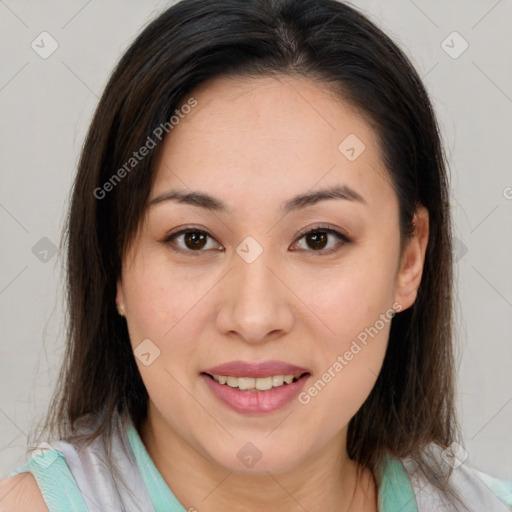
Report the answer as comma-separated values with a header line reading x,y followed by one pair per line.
x,y
412,261
119,294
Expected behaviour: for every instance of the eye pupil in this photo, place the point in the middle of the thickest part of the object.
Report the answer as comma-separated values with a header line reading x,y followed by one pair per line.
x,y
317,238
197,240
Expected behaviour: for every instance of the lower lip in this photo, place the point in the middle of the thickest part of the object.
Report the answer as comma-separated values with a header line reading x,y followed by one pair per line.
x,y
256,402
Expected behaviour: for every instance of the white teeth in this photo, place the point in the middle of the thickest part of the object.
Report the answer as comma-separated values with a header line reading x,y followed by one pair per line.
x,y
277,380
264,383
232,382
246,383
252,383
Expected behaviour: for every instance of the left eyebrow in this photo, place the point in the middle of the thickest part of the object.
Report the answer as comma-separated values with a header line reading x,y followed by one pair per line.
x,y
309,199
203,200
199,199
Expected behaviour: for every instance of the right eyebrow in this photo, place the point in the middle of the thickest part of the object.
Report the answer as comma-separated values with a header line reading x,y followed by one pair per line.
x,y
203,200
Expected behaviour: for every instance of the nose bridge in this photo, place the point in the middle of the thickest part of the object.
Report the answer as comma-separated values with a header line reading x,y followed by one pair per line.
x,y
255,302
254,282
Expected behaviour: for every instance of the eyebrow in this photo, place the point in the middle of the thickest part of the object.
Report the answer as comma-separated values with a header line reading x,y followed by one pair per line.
x,y
209,202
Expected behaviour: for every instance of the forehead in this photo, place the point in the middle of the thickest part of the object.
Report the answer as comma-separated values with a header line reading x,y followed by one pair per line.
x,y
267,138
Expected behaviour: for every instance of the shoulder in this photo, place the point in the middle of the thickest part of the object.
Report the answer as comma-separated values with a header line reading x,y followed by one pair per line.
x,y
43,483
500,487
474,487
20,493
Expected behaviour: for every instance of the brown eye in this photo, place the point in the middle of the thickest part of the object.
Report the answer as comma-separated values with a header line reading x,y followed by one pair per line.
x,y
191,240
194,240
318,240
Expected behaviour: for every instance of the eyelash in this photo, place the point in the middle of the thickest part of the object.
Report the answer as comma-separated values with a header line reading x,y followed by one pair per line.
x,y
343,239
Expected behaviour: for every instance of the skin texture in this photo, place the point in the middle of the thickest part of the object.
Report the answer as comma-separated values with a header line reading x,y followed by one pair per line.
x,y
254,143
21,493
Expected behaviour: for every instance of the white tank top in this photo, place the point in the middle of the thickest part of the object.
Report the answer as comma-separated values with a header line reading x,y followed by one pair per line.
x,y
81,481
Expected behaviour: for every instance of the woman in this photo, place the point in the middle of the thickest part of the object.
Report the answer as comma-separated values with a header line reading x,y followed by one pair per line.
x,y
260,279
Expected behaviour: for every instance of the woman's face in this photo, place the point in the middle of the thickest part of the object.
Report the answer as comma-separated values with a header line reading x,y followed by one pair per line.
x,y
245,290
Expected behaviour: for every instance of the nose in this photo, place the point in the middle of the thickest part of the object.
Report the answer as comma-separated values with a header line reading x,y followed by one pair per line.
x,y
255,304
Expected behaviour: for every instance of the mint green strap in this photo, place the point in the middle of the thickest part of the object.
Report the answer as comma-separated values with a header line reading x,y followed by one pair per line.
x,y
161,496
502,488
395,489
55,480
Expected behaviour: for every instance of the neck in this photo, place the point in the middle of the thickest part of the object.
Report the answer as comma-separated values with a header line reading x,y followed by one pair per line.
x,y
328,481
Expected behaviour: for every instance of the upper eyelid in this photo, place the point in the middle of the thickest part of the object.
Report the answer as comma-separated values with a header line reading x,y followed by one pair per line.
x,y
326,228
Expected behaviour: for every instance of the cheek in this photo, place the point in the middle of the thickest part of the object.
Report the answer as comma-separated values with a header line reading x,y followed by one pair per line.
x,y
354,304
349,365
171,308
165,307
348,300
161,300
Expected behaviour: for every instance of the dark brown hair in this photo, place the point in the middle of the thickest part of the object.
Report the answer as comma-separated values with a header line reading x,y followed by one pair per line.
x,y
411,405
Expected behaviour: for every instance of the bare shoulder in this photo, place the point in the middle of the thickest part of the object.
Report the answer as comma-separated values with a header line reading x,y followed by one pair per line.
x,y
21,493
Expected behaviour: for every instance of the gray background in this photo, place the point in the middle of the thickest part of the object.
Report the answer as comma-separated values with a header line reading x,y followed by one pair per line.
x,y
46,105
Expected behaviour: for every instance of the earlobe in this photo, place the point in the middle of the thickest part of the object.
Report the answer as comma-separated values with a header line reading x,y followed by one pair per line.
x,y
413,260
120,299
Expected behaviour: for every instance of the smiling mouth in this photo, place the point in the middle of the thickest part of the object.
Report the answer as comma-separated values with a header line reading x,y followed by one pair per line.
x,y
256,384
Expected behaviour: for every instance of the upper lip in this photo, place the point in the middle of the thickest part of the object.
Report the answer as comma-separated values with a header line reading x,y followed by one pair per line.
x,y
261,369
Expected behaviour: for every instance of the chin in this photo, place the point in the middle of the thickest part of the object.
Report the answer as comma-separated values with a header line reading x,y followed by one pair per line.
x,y
248,459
